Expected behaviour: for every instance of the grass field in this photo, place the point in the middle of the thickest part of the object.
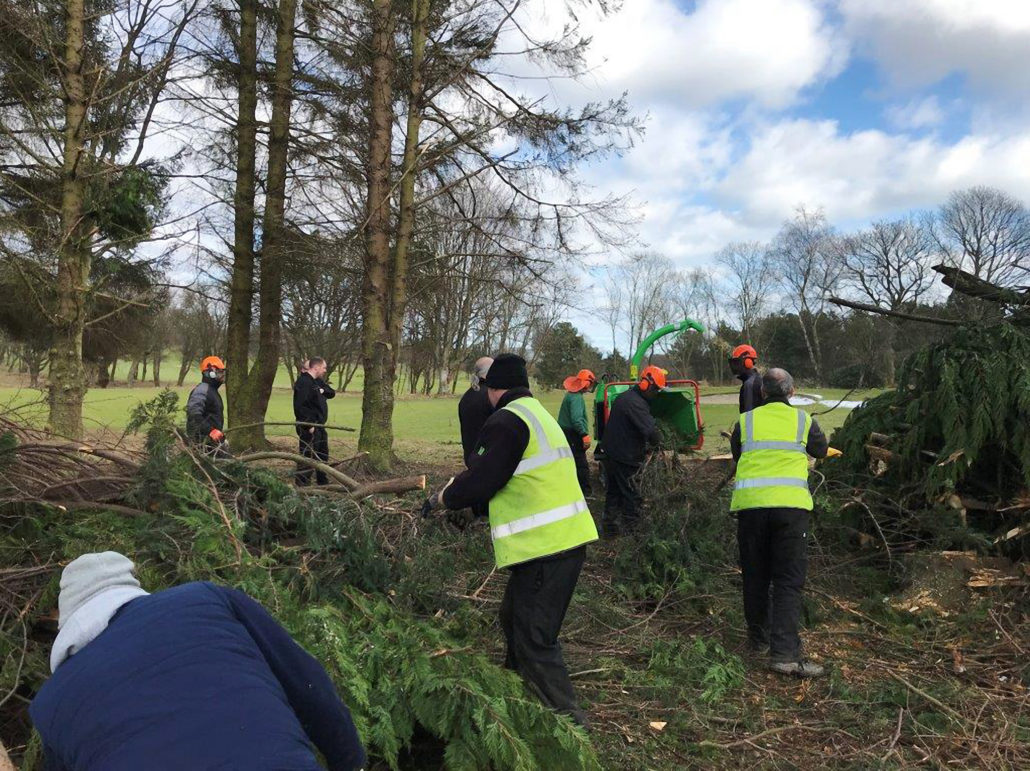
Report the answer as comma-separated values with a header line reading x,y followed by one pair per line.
x,y
425,427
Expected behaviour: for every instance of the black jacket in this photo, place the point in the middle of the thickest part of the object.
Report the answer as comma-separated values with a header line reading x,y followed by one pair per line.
x,y
750,390
494,458
473,411
817,441
630,428
204,410
309,401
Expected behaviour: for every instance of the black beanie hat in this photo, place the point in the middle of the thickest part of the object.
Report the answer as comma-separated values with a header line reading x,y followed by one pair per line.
x,y
507,371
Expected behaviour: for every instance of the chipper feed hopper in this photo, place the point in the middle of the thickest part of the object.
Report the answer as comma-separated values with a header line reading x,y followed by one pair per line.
x,y
677,409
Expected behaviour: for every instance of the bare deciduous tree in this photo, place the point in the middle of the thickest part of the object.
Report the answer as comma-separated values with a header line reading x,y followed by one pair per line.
x,y
889,265
987,232
809,267
748,282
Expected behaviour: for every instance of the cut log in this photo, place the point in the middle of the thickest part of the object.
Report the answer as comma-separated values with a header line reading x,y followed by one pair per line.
x,y
880,453
880,440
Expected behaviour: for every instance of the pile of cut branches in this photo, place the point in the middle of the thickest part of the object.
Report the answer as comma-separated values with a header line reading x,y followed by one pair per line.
x,y
953,440
422,692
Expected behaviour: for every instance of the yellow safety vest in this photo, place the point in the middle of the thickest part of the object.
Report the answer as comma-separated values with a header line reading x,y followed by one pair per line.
x,y
773,468
541,510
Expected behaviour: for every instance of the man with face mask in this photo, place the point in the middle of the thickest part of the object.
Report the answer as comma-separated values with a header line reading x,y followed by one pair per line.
x,y
205,420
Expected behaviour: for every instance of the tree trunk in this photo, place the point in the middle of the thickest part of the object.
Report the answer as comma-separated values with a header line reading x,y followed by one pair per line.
x,y
67,378
376,436
103,374
241,287
158,355
133,375
254,393
184,368
144,375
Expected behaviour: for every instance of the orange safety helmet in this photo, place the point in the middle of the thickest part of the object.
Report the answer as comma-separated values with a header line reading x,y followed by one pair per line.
x,y
211,362
655,376
746,355
581,381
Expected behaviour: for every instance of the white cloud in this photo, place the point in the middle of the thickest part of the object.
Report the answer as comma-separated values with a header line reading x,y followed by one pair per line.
x,y
763,50
865,174
919,42
917,114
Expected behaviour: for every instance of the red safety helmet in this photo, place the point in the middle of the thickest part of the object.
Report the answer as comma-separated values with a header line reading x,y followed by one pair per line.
x,y
581,381
211,362
653,376
746,355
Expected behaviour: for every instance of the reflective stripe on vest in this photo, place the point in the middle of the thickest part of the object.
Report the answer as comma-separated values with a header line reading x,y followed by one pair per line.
x,y
544,456
798,445
536,520
541,510
747,484
773,468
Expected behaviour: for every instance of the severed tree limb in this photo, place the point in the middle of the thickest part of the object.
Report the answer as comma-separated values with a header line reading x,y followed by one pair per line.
x,y
349,482
293,424
896,314
94,506
400,485
966,283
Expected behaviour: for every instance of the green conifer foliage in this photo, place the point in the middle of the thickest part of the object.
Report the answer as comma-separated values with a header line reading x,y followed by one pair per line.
x,y
959,419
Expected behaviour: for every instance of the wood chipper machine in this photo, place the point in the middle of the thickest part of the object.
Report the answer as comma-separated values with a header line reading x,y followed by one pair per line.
x,y
677,410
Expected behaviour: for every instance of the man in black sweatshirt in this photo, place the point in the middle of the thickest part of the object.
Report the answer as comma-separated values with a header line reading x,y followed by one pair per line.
x,y
310,393
539,523
474,409
628,432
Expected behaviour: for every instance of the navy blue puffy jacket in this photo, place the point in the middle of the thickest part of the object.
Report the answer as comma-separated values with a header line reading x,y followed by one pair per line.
x,y
195,677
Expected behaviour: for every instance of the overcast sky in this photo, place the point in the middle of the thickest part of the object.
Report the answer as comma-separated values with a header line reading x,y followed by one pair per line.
x,y
866,108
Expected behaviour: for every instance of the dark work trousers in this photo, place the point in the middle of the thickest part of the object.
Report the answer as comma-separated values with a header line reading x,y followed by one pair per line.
x,y
579,454
532,613
313,445
622,497
774,554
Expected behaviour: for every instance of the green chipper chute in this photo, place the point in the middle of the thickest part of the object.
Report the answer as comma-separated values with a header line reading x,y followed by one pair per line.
x,y
677,409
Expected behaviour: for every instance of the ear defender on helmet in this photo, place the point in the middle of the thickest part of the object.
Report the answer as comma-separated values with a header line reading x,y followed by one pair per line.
x,y
749,363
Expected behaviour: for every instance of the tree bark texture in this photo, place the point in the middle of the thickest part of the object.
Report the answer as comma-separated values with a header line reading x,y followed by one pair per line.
x,y
241,289
376,347
67,376
253,393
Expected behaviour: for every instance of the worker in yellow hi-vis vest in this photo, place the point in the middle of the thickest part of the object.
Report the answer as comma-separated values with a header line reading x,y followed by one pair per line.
x,y
523,468
771,445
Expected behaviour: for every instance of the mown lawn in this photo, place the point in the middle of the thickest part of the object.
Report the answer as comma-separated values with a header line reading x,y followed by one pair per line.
x,y
422,425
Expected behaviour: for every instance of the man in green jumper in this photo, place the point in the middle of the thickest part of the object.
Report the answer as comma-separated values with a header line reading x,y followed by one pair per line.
x,y
572,418
539,523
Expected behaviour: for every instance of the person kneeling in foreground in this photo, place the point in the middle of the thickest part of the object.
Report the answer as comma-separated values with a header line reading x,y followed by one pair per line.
x,y
194,677
771,445
539,522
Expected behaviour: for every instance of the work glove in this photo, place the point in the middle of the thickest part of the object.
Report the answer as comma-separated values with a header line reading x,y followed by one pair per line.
x,y
833,452
435,500
586,442
429,504
216,436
